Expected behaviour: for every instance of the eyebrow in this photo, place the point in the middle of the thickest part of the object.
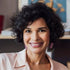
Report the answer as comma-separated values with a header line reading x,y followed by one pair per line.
x,y
43,28
39,28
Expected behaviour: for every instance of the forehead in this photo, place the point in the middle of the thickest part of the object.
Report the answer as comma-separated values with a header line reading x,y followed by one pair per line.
x,y
38,23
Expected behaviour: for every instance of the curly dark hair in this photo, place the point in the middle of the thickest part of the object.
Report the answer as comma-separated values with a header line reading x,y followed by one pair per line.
x,y
32,12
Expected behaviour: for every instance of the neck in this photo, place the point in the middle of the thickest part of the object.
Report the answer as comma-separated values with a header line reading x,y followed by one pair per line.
x,y
36,59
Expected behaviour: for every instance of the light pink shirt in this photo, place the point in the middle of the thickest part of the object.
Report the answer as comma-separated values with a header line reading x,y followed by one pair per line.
x,y
17,61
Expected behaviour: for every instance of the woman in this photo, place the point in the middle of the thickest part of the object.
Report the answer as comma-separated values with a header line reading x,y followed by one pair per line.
x,y
37,26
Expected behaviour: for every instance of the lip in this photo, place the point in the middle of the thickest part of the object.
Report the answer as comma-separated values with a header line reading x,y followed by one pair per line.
x,y
36,45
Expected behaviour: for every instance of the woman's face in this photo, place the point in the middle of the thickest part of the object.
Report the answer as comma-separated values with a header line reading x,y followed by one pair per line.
x,y
36,36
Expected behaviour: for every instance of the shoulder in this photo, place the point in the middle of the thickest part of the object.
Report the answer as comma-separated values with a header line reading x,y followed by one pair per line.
x,y
10,56
7,57
7,60
11,60
59,66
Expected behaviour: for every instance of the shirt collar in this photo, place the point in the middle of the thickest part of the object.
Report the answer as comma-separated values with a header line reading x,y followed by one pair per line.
x,y
51,61
20,60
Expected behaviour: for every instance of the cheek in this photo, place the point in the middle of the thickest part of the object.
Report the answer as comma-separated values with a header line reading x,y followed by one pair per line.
x,y
45,37
25,38
46,40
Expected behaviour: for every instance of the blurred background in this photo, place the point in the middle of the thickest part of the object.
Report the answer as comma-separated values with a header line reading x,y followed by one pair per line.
x,y
61,48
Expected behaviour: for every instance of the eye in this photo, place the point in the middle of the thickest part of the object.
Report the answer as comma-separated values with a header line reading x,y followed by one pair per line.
x,y
42,30
27,31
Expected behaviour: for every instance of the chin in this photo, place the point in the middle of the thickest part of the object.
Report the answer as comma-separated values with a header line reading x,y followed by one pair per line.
x,y
37,51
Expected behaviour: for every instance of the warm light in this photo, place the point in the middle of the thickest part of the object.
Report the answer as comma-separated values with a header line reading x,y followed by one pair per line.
x,y
54,9
62,10
59,5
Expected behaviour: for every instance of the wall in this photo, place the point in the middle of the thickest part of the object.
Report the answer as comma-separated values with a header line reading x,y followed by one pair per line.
x,y
7,8
21,3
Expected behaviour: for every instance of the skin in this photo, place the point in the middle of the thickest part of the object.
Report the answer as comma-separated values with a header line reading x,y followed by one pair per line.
x,y
36,39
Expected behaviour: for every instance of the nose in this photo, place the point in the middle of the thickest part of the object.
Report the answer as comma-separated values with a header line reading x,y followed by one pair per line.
x,y
35,36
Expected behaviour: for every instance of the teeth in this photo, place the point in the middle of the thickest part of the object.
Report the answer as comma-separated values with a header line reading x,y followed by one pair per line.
x,y
35,44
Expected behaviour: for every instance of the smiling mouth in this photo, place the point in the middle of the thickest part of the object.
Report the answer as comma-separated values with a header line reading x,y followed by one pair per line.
x,y
36,45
